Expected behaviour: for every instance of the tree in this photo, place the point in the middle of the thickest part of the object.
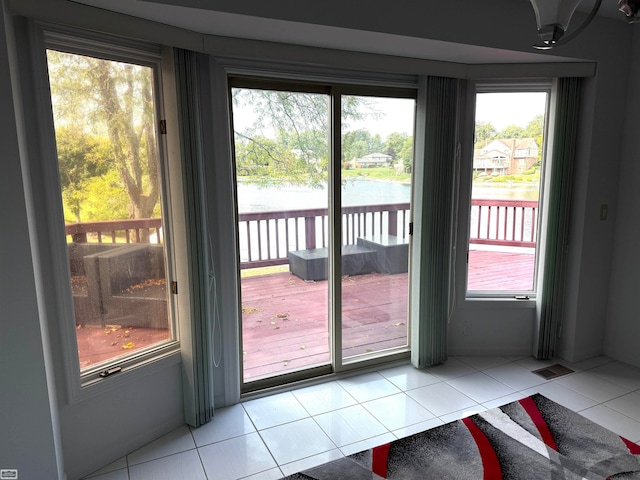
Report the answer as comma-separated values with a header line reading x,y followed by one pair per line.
x,y
115,100
406,154
400,147
485,132
104,198
266,161
81,157
359,143
535,130
512,131
394,143
298,125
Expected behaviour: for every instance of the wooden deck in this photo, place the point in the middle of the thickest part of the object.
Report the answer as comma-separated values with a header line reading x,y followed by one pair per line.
x,y
285,324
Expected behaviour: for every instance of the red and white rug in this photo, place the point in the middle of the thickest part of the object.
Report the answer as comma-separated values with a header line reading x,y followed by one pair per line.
x,y
533,438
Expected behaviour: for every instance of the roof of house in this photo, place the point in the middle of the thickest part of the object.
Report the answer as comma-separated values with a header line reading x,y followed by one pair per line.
x,y
377,156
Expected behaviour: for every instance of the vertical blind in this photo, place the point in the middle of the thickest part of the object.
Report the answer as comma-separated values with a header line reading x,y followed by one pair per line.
x,y
196,336
434,175
551,291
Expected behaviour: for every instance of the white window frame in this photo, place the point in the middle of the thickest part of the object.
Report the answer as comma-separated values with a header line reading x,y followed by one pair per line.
x,y
337,83
525,298
88,383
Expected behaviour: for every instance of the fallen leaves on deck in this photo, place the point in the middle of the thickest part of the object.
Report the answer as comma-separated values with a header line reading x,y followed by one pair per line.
x,y
399,324
152,282
250,310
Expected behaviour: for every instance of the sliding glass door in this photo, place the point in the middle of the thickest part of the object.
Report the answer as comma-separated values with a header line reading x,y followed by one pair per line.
x,y
282,156
377,153
323,227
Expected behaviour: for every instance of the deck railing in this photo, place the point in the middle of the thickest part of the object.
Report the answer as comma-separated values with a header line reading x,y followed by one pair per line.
x,y
504,222
134,230
267,237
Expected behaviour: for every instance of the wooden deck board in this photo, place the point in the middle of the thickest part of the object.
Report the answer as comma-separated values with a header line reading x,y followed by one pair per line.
x,y
374,306
285,319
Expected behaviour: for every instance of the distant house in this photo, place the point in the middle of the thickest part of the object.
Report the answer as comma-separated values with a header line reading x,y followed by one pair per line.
x,y
374,160
506,156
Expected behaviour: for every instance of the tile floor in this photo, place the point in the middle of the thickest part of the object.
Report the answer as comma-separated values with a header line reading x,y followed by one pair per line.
x,y
267,438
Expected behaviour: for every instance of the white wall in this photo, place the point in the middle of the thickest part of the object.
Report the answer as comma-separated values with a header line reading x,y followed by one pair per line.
x,y
44,435
99,430
28,418
623,321
479,328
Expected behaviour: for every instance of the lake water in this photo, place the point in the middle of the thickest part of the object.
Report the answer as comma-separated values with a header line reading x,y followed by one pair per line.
x,y
254,198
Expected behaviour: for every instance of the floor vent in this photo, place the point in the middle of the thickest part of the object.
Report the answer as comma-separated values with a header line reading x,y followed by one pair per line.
x,y
553,371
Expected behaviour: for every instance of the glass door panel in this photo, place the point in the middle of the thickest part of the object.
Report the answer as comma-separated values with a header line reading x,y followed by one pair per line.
x,y
377,158
507,166
282,157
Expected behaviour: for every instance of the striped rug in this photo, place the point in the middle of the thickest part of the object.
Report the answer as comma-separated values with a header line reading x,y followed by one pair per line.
x,y
533,438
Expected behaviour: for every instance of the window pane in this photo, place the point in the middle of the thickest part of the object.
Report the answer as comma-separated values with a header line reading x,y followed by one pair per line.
x,y
108,162
282,159
507,165
377,155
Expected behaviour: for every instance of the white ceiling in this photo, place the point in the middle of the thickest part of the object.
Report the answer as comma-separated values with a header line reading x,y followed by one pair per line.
x,y
208,21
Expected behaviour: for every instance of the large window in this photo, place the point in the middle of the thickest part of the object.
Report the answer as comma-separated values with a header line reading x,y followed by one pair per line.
x,y
110,169
323,185
508,165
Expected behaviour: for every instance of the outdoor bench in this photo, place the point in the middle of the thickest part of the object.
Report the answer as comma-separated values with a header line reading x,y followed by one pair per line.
x,y
311,264
392,253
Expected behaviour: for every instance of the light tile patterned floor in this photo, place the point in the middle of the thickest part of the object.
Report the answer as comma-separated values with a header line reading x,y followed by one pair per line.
x,y
267,438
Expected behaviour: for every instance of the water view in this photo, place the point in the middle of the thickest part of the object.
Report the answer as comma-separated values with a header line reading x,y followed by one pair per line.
x,y
258,198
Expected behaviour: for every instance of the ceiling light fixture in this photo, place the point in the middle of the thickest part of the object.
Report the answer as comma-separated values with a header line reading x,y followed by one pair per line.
x,y
630,8
553,17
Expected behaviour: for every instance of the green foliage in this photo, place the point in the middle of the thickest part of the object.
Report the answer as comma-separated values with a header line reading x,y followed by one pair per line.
x,y
358,143
376,173
400,147
106,198
112,102
512,131
394,143
102,198
484,133
406,155
264,161
288,138
81,157
529,176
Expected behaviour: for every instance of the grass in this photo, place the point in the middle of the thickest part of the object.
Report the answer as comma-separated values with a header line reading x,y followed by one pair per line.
x,y
376,173
529,176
